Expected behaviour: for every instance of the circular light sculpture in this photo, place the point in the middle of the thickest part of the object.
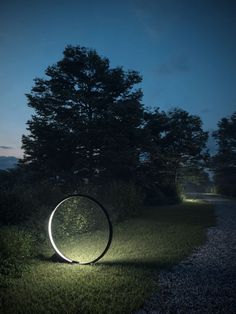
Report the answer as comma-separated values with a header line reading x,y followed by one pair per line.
x,y
82,229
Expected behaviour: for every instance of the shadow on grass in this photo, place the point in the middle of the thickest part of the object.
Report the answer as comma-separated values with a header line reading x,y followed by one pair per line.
x,y
147,264
53,258
42,257
129,263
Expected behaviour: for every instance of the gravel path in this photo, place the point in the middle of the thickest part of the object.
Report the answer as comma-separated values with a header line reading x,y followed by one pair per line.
x,y
206,281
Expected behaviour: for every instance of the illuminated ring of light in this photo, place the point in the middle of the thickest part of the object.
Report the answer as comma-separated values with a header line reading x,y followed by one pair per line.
x,y
109,226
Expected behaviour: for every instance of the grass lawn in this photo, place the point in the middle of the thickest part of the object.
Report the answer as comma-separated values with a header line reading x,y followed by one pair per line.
x,y
120,281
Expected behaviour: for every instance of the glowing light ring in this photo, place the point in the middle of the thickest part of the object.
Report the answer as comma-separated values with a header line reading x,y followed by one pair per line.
x,y
109,227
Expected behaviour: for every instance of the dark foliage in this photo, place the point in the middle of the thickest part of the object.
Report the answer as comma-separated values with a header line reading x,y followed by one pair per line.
x,y
224,162
87,119
176,144
17,247
22,200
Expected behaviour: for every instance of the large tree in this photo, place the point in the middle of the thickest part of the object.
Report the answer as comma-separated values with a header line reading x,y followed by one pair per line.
x,y
224,162
177,142
87,118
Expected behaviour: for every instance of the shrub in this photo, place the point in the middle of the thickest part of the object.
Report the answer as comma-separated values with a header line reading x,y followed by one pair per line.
x,y
163,194
155,196
22,202
17,246
14,207
124,198
121,199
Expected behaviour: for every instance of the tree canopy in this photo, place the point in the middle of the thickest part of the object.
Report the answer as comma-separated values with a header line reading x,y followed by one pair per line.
x,y
89,124
87,117
224,162
178,141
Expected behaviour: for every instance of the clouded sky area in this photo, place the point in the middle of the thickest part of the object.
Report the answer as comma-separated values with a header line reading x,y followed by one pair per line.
x,y
184,49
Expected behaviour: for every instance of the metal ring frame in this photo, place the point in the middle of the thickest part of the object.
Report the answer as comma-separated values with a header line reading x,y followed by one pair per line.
x,y
66,259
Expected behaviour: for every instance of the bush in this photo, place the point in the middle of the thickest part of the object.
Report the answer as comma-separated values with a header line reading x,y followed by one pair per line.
x,y
121,199
17,246
22,202
125,199
163,194
155,197
14,207
38,223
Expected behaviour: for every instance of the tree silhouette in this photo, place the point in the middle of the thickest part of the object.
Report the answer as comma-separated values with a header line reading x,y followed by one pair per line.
x,y
224,162
87,118
178,142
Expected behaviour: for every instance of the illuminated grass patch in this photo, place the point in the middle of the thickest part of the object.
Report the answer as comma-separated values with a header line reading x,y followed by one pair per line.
x,y
122,279
84,247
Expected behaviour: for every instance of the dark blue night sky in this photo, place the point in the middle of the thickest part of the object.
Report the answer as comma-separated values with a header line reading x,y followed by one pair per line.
x,y
185,51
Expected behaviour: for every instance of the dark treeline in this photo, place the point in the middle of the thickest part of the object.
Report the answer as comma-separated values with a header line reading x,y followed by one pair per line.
x,y
90,126
90,133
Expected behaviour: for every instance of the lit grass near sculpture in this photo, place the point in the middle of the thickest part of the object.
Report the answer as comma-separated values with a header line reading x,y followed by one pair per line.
x,y
85,247
123,278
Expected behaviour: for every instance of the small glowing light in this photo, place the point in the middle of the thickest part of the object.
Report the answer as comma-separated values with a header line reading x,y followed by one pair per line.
x,y
191,200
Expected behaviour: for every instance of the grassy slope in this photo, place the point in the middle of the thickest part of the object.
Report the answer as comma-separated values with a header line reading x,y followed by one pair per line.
x,y
121,281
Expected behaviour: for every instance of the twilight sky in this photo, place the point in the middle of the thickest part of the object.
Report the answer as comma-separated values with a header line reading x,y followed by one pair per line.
x,y
184,49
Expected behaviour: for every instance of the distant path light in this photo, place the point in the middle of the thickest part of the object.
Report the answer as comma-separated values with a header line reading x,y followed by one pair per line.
x,y
106,216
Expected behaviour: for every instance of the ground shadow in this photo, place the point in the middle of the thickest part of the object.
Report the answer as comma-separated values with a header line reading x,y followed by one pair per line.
x,y
55,258
148,264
